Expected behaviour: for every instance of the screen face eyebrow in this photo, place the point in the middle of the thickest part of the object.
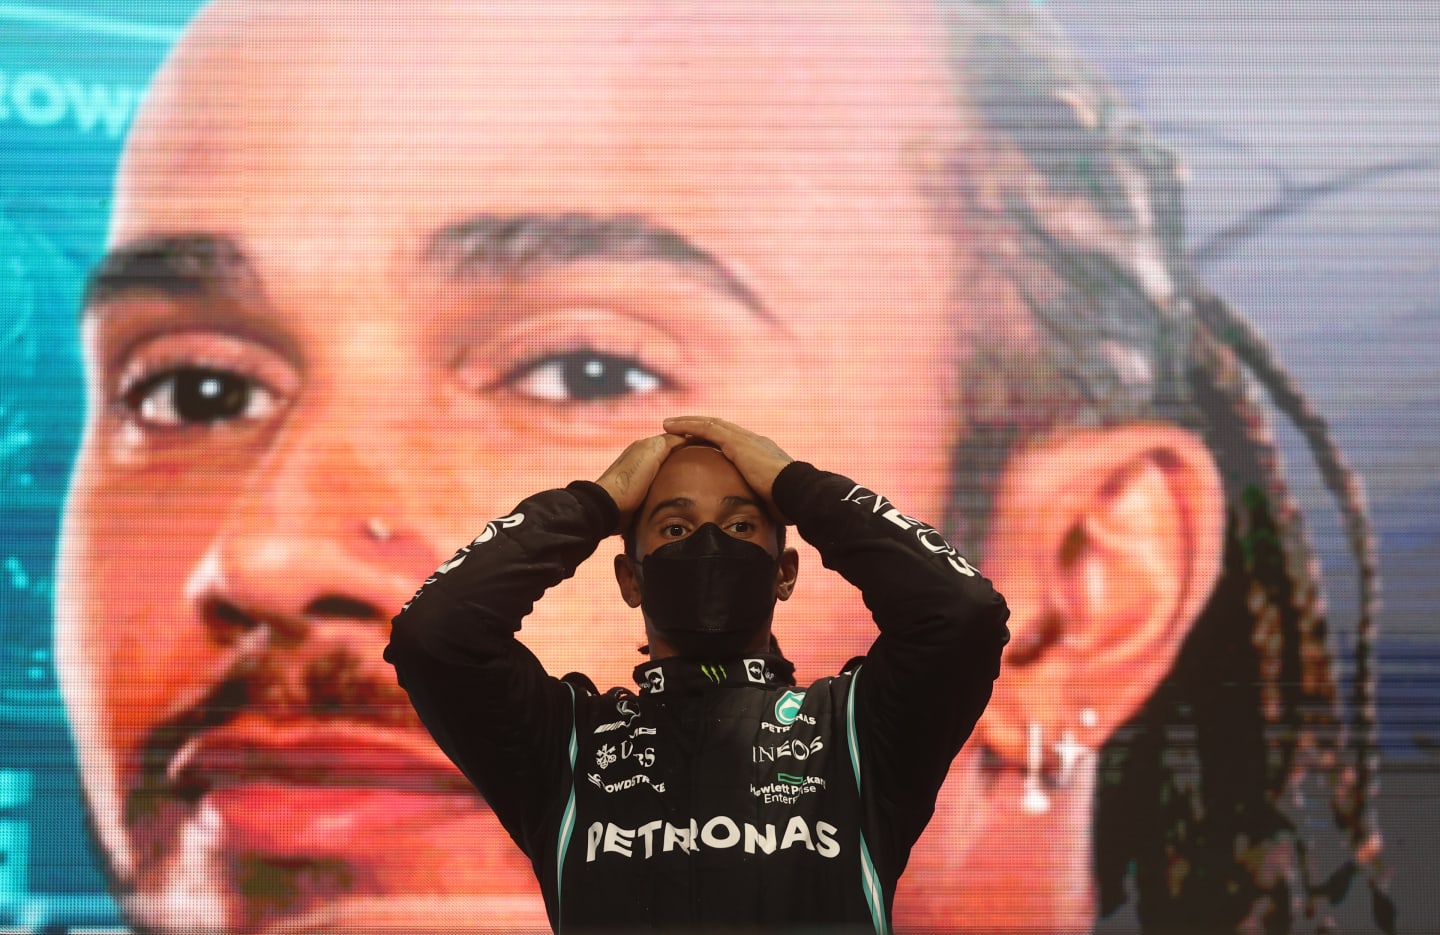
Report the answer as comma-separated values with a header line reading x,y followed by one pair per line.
x,y
516,245
181,266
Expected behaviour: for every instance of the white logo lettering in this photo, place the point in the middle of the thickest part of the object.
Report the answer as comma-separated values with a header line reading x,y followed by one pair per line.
x,y
617,840
826,845
495,525
754,838
958,562
42,99
453,563
719,833
859,495
645,758
630,782
710,834
928,537
796,749
797,832
787,789
900,519
641,731
683,838
647,833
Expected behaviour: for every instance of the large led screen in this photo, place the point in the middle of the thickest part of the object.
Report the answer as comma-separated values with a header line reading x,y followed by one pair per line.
x,y
1135,302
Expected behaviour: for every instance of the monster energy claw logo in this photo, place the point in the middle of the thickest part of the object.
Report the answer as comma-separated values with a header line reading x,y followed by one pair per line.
x,y
715,674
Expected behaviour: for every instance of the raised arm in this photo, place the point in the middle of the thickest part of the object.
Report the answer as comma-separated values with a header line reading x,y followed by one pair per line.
x,y
484,697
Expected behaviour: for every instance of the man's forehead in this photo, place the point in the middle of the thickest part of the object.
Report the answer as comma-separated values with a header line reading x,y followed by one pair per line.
x,y
698,476
538,53
390,121
590,22
697,459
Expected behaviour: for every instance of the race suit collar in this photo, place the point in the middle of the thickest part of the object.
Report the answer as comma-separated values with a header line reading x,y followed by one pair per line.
x,y
668,675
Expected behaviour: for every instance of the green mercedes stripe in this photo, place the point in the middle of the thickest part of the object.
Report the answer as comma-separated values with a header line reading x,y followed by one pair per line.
x,y
874,896
567,821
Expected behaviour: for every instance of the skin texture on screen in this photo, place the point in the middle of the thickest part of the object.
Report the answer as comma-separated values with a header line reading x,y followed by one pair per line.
x,y
367,290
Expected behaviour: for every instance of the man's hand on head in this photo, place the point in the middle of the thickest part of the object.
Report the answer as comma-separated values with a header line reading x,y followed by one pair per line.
x,y
758,459
628,478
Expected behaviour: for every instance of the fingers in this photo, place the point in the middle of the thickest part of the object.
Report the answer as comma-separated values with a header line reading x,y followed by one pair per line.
x,y
629,477
758,459
725,435
706,427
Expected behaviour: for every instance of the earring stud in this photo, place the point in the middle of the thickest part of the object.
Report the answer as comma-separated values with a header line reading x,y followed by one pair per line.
x,y
378,529
1035,801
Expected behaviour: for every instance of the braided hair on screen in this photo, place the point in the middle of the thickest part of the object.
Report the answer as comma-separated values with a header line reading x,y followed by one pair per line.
x,y
1199,813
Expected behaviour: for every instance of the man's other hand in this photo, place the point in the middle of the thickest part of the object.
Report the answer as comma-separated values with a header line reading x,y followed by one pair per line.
x,y
628,479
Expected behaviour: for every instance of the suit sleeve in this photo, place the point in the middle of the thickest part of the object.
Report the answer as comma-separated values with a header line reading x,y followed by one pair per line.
x,y
483,696
929,673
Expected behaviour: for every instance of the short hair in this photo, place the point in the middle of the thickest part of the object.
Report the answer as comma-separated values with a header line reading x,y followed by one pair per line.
x,y
1077,211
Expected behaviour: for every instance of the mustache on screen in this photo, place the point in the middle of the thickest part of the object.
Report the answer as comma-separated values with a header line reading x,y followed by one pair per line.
x,y
330,695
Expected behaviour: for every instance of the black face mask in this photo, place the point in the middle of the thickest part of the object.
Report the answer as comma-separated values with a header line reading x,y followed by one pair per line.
x,y
709,594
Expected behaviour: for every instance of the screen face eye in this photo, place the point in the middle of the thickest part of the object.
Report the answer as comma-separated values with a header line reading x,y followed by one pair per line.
x,y
193,396
583,377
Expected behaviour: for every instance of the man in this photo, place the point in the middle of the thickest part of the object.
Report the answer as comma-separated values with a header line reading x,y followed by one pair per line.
x,y
719,795
365,286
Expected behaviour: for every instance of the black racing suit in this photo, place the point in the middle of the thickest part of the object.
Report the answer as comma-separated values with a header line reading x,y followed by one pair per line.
x,y
719,795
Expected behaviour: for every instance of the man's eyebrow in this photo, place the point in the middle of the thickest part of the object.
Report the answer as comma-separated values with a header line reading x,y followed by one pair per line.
x,y
674,503
183,265
514,245
681,503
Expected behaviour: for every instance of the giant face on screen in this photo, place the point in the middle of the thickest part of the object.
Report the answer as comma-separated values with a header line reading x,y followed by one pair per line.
x,y
376,272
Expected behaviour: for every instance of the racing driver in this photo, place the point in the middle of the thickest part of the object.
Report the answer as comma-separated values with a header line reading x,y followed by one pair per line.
x,y
719,794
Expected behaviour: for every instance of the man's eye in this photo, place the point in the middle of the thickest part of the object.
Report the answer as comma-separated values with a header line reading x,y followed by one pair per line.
x,y
672,531
585,377
198,396
742,526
